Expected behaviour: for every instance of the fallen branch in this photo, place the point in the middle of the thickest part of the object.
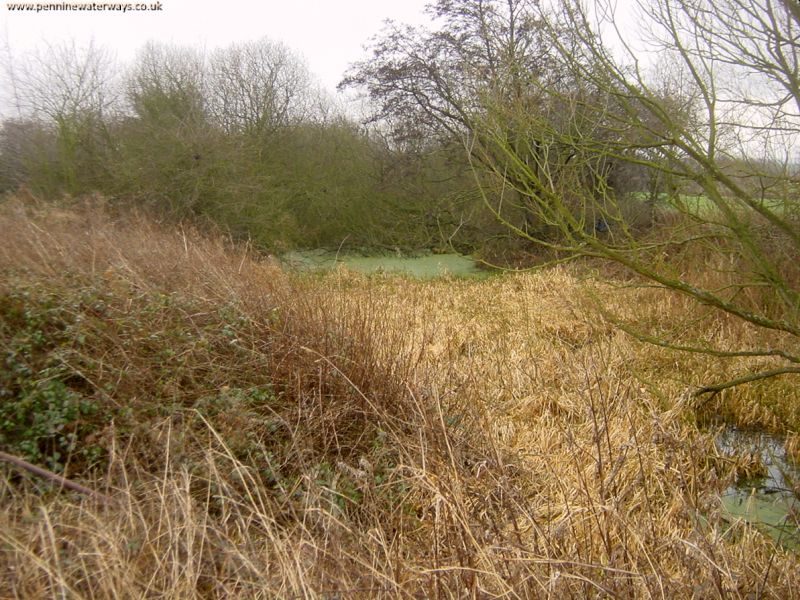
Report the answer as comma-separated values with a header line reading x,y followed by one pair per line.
x,y
54,477
717,388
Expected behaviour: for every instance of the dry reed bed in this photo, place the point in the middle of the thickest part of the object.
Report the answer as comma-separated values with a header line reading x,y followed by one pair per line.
x,y
409,439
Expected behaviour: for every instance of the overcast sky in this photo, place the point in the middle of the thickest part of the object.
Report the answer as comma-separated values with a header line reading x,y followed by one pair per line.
x,y
330,34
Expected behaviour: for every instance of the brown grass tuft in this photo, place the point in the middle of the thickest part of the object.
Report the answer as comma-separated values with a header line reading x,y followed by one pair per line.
x,y
267,435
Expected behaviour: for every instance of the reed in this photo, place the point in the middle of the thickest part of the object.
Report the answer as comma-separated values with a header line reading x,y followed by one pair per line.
x,y
264,435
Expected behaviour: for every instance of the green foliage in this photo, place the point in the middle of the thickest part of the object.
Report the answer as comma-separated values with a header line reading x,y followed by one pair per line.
x,y
42,422
43,415
201,139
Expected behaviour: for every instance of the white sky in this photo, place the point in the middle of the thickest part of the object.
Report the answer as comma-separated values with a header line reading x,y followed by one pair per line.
x,y
330,34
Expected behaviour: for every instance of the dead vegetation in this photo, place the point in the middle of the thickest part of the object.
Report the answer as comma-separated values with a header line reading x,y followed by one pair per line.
x,y
268,436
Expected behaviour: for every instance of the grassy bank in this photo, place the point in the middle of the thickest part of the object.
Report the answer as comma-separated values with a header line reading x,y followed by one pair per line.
x,y
260,434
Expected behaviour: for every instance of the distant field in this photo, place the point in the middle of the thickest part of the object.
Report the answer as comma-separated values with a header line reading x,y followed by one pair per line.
x,y
702,205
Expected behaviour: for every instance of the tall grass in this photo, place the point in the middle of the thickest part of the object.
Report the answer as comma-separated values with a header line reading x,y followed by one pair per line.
x,y
269,436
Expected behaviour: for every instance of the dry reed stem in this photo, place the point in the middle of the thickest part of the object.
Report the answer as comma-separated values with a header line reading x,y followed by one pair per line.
x,y
441,439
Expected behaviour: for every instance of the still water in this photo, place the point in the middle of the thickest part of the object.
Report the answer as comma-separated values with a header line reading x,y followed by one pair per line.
x,y
427,266
767,502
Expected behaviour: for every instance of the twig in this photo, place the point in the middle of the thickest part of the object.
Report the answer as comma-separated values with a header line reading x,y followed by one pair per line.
x,y
54,477
717,388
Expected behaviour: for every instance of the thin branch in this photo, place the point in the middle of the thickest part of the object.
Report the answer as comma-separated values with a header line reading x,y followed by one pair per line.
x,y
717,388
54,477
643,337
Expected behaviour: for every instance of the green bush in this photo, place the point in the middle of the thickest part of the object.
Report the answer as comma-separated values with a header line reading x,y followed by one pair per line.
x,y
44,416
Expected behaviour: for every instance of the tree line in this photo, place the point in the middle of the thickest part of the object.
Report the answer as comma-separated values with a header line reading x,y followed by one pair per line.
x,y
241,136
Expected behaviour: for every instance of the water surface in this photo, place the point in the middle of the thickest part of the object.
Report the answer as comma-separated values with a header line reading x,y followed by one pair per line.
x,y
767,502
426,266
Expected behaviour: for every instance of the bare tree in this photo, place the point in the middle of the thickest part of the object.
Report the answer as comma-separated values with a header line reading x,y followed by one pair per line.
x,y
436,86
63,82
69,90
720,123
435,81
257,87
167,86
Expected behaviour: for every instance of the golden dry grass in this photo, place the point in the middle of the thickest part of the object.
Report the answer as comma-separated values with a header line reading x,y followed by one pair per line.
x,y
345,436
